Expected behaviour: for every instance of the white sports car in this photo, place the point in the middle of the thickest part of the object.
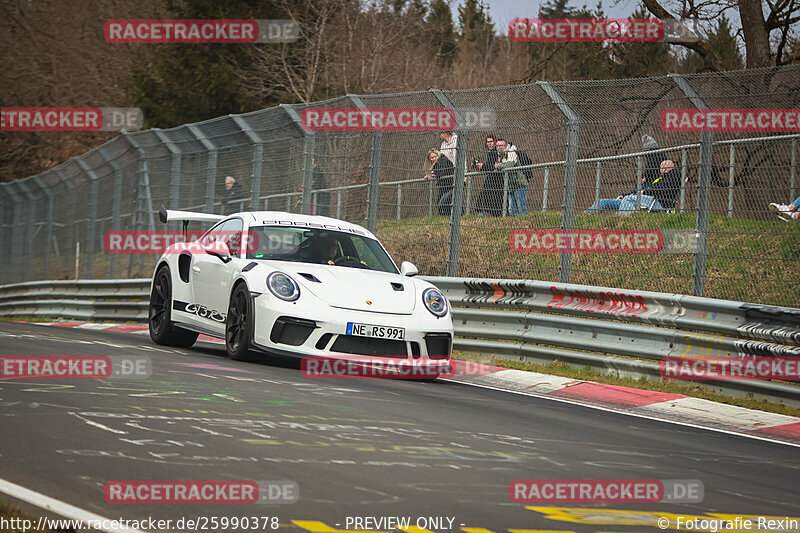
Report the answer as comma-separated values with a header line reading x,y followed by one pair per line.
x,y
297,285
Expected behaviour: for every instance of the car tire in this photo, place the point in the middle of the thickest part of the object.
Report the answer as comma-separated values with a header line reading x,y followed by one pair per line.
x,y
239,325
159,315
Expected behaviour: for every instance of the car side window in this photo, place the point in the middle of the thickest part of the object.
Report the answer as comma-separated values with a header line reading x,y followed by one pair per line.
x,y
229,232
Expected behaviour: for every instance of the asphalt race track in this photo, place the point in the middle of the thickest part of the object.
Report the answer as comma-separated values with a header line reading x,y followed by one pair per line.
x,y
355,448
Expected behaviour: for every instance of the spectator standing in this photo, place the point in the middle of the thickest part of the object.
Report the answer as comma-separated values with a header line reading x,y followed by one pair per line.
x,y
231,197
448,147
441,169
490,199
517,185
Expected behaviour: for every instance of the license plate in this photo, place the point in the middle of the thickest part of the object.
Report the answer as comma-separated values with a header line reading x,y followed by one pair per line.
x,y
371,330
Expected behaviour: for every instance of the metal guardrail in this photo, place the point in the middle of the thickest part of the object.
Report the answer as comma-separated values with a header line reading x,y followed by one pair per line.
x,y
607,329
101,300
619,330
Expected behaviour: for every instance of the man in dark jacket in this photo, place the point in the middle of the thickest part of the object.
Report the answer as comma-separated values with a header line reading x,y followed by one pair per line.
x,y
490,199
231,197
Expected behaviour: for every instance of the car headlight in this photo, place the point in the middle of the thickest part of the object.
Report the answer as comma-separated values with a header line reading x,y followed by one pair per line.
x,y
283,286
434,301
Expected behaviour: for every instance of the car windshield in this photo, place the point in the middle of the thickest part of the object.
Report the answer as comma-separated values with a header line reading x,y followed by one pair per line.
x,y
326,247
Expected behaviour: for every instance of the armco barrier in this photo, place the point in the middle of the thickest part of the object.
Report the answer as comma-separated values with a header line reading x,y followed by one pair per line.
x,y
118,300
604,328
619,330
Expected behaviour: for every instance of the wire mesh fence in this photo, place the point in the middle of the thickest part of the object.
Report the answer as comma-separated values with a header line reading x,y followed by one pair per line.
x,y
587,144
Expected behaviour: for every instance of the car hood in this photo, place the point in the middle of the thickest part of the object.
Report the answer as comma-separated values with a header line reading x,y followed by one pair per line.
x,y
355,288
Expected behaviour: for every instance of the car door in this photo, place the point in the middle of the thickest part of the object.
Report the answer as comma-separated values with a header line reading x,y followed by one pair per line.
x,y
211,275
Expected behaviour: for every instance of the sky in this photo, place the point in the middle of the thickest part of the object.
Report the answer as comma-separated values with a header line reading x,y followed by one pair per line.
x,y
503,11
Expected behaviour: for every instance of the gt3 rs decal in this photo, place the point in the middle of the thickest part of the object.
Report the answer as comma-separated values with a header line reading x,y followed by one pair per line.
x,y
199,310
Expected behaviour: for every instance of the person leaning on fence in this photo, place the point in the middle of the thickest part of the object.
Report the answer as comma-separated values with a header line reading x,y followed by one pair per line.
x,y
517,185
490,199
441,168
231,197
787,212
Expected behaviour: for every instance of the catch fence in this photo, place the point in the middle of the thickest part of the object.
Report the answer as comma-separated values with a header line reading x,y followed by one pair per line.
x,y
585,140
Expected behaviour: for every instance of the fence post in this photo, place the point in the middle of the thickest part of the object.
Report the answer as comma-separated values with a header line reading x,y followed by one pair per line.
x,y
48,231
731,179
308,158
399,200
116,205
570,174
597,180
72,233
430,198
375,154
793,172
5,255
29,227
18,227
703,189
258,159
546,186
684,171
505,194
639,171
175,169
92,229
211,166
454,241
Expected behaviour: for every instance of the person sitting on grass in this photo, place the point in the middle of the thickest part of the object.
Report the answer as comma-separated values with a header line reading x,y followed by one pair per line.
x,y
787,212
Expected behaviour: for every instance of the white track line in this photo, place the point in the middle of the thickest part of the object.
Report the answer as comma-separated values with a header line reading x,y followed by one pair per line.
x,y
627,413
57,506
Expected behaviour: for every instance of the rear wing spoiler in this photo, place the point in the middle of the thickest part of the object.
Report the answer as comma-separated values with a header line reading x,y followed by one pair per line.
x,y
170,215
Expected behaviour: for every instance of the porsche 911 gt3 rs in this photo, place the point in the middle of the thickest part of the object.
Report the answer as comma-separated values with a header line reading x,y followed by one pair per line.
x,y
298,285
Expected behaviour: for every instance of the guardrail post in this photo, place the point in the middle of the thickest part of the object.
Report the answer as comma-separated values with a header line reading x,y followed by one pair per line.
x,y
116,205
375,153
92,229
48,230
570,174
460,163
308,159
703,189
258,159
174,170
211,167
